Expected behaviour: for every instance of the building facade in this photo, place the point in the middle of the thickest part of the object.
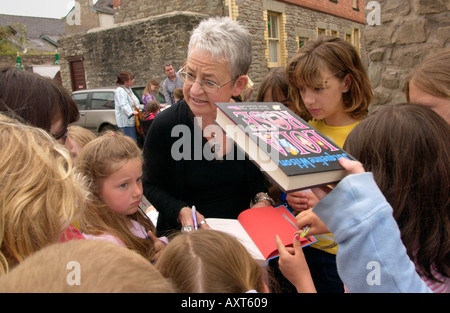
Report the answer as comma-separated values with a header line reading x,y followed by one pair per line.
x,y
138,41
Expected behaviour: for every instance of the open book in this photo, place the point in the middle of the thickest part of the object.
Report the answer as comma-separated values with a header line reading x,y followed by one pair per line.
x,y
256,229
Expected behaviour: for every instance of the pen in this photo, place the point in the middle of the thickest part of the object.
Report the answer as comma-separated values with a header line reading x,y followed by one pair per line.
x,y
305,231
194,217
290,221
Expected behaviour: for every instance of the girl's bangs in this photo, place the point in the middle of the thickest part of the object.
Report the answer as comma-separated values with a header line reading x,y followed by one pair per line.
x,y
309,73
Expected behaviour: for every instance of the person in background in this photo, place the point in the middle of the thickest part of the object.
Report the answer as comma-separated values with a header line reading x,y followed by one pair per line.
x,y
126,104
171,82
153,108
429,83
38,101
274,87
178,94
77,138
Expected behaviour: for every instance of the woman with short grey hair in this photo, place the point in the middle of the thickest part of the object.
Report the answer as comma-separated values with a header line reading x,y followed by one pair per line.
x,y
188,159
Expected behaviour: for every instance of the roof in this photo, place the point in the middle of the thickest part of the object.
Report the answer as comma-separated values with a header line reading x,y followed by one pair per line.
x,y
42,33
36,26
104,6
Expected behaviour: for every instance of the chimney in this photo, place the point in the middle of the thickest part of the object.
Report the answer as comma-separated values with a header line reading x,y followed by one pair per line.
x,y
116,3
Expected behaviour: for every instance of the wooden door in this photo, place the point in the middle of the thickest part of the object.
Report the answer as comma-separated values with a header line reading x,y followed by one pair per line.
x,y
77,74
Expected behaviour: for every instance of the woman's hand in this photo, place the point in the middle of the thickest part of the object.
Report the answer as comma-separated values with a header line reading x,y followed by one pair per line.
x,y
185,218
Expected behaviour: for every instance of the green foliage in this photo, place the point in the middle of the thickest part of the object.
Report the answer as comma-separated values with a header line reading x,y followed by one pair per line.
x,y
12,39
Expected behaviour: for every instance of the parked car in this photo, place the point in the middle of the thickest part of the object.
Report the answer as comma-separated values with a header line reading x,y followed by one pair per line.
x,y
96,107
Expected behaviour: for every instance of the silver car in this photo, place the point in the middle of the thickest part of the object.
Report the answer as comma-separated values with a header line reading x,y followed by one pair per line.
x,y
96,108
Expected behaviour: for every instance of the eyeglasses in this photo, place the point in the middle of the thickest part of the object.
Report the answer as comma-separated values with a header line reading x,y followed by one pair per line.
x,y
207,85
62,136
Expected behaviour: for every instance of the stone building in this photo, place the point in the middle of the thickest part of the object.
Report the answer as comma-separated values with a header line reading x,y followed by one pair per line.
x,y
408,31
86,15
146,34
39,52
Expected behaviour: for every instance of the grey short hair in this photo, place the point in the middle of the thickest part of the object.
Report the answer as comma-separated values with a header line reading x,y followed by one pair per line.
x,y
225,40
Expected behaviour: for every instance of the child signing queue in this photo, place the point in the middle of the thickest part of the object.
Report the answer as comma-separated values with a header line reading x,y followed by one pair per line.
x,y
112,163
333,91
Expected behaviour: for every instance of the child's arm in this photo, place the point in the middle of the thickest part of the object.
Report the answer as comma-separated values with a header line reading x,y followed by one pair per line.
x,y
293,265
371,256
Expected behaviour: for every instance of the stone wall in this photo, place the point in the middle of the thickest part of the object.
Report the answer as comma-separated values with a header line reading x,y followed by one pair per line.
x,y
297,22
28,60
130,10
409,30
141,47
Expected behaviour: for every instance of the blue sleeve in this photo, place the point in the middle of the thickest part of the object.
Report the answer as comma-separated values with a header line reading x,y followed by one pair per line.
x,y
371,256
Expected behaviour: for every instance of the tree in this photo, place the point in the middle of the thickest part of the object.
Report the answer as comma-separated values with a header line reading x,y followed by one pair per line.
x,y
12,39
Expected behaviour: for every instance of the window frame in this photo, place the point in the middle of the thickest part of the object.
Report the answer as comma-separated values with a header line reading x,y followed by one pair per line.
x,y
274,16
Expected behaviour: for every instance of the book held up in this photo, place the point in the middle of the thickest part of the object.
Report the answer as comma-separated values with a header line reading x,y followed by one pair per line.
x,y
290,151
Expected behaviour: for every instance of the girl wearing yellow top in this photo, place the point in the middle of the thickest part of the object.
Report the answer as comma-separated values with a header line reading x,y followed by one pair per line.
x,y
333,90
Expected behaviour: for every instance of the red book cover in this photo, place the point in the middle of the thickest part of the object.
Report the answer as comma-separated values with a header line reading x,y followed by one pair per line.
x,y
261,225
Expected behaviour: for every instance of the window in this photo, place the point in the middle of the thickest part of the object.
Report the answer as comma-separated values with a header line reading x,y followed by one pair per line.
x,y
356,5
81,100
273,27
356,39
348,38
321,32
302,41
334,33
102,101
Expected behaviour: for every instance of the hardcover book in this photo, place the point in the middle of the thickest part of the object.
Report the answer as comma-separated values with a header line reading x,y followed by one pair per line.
x,y
290,151
256,228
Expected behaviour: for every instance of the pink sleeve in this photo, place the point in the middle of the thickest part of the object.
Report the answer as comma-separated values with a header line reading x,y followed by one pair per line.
x,y
106,237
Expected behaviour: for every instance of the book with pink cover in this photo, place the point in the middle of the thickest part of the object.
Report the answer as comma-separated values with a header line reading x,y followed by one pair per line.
x,y
256,229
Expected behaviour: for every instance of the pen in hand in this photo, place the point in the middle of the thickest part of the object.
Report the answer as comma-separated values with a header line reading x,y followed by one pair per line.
x,y
305,231
194,217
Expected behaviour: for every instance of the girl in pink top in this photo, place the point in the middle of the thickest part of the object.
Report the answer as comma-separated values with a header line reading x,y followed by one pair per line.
x,y
113,165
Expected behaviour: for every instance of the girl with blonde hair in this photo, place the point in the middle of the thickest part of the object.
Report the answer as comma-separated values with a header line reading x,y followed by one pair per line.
x,y
112,163
40,196
77,138
149,90
210,261
429,83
